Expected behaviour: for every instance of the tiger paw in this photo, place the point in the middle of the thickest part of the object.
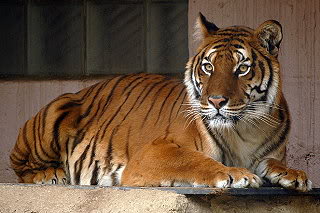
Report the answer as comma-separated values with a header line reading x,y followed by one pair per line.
x,y
279,174
50,176
235,178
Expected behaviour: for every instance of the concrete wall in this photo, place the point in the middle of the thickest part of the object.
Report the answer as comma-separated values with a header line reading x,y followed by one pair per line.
x,y
299,57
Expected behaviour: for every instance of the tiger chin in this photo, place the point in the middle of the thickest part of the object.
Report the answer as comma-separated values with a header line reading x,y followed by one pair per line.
x,y
225,126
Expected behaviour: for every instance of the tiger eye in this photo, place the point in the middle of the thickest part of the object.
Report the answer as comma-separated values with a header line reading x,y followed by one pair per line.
x,y
243,68
208,67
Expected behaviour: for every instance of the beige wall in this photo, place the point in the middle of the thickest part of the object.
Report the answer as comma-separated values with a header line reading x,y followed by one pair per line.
x,y
299,57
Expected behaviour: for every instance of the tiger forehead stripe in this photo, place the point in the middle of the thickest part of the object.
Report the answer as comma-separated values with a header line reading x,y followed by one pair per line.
x,y
210,53
243,56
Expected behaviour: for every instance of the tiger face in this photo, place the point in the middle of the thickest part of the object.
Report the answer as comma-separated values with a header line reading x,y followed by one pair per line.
x,y
235,73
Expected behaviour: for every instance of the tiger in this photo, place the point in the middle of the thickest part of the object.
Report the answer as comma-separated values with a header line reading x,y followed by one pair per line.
x,y
224,125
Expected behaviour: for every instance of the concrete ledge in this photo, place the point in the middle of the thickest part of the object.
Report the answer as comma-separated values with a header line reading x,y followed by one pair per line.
x,y
49,198
56,198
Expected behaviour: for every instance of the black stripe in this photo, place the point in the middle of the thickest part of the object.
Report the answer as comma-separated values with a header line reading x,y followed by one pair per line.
x,y
129,111
262,68
226,148
239,135
238,29
67,160
45,112
36,143
184,97
195,83
79,164
237,46
201,143
133,81
240,40
56,128
127,144
253,65
54,148
282,139
19,154
41,141
94,177
196,145
165,100
138,97
117,112
110,147
247,95
88,91
223,40
281,115
69,105
221,147
242,56
115,86
218,46
150,89
89,108
25,138
16,160
77,140
113,175
153,102
274,146
175,103
233,34
269,62
93,151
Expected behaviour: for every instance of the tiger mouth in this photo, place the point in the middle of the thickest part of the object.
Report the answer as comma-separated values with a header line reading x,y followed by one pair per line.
x,y
224,116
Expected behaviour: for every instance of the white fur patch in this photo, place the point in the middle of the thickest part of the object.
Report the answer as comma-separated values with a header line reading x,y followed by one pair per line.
x,y
119,174
222,184
181,184
106,180
261,169
243,182
165,183
199,185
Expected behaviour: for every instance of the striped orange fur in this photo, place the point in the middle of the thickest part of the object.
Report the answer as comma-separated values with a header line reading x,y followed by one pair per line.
x,y
225,125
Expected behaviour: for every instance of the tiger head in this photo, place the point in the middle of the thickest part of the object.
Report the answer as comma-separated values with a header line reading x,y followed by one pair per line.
x,y
235,73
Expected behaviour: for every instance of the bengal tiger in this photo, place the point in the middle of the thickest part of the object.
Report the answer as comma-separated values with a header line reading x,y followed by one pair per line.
x,y
225,125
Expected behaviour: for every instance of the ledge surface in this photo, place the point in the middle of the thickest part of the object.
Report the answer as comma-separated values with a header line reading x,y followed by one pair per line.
x,y
58,198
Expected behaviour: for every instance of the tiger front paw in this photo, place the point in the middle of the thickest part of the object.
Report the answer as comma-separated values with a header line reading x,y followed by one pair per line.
x,y
279,174
233,177
50,176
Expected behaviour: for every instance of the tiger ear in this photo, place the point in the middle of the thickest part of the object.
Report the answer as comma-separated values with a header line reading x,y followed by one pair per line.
x,y
204,28
269,34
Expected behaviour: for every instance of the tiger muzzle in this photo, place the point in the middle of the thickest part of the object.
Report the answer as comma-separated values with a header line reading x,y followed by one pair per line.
x,y
218,101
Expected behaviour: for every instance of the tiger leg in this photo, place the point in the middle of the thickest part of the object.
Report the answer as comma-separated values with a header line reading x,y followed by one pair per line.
x,y
277,173
163,163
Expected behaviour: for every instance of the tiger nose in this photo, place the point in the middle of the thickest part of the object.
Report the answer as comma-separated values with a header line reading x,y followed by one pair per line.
x,y
218,101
